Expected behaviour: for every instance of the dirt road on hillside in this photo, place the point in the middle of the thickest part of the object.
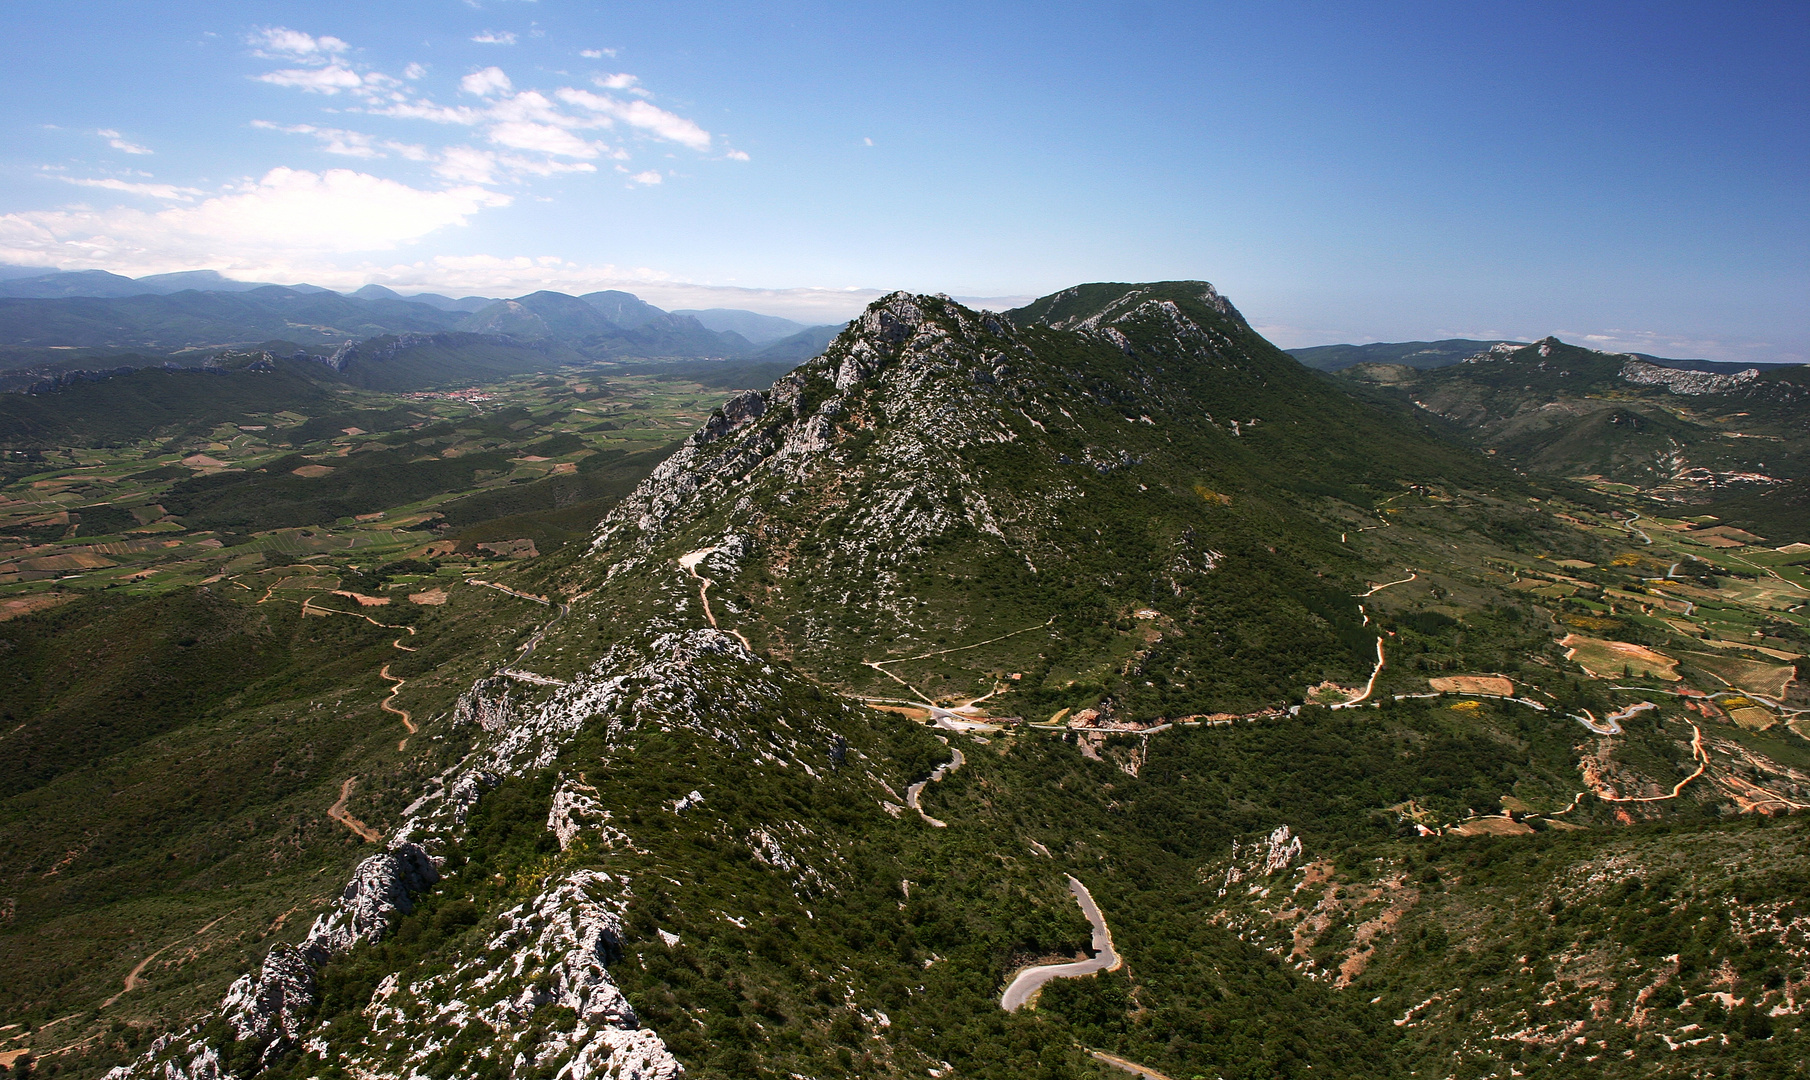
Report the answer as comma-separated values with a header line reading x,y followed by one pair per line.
x,y
338,813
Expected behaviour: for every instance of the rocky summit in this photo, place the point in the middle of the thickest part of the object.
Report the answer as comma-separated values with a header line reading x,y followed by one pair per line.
x,y
982,637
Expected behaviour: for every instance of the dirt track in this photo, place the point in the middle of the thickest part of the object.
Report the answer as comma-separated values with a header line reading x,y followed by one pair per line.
x,y
690,564
338,813
385,705
915,791
1369,687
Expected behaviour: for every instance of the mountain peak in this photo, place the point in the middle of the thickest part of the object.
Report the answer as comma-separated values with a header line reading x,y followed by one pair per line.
x,y
1086,307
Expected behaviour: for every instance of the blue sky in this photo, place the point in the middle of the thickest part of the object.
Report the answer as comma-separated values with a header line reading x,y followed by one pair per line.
x,y
1631,176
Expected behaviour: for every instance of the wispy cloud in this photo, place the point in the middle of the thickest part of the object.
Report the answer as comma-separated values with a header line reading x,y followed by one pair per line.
x,y
494,37
529,121
641,115
507,135
131,187
282,43
1672,346
542,138
597,54
117,143
424,109
350,143
471,165
327,80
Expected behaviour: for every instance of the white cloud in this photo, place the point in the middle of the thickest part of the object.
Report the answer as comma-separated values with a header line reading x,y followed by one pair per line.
x,y
530,105
736,155
487,82
280,42
545,166
648,177
542,138
349,143
288,214
28,243
640,114
338,210
467,164
1674,346
118,143
596,54
470,165
155,191
491,37
414,71
491,275
869,142
327,80
427,110
621,81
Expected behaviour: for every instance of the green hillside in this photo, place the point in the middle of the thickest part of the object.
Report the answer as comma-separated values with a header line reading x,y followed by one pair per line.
x,y
1380,755
1414,354
1731,443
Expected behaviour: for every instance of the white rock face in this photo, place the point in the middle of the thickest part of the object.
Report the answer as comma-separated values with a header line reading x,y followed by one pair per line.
x,y
1692,383
1263,858
558,949
270,1005
574,808
560,943
576,812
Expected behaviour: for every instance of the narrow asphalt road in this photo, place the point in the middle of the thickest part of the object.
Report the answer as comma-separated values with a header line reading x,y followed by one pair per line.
x,y
1031,979
917,789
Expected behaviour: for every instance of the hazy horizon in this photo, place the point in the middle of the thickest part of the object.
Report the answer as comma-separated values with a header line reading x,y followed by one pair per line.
x,y
1624,178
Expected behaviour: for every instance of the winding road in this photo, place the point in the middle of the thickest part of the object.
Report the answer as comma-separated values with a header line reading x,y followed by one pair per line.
x,y
407,721
1697,752
1369,687
917,789
689,563
1374,589
338,813
1031,979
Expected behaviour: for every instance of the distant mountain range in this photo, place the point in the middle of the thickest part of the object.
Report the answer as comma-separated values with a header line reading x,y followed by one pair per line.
x,y
53,323
61,283
759,329
1436,354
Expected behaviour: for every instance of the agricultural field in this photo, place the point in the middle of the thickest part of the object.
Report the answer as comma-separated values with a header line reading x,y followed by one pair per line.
x,y
233,653
471,478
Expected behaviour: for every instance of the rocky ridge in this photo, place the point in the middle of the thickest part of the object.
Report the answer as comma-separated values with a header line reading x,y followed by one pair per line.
x,y
562,939
811,504
1691,383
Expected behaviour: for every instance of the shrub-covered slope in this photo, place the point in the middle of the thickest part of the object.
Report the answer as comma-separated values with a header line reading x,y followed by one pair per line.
x,y
940,476
681,844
